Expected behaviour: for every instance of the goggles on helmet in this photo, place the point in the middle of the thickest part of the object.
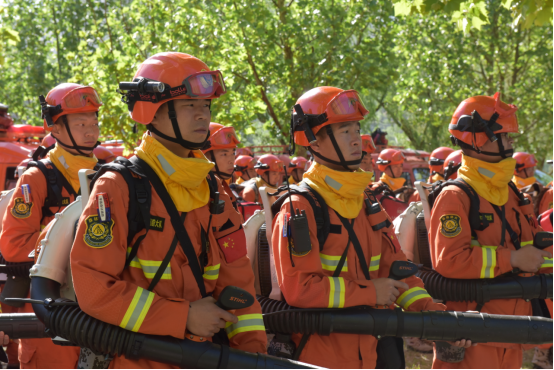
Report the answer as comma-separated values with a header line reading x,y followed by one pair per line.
x,y
436,162
80,98
275,166
201,85
225,136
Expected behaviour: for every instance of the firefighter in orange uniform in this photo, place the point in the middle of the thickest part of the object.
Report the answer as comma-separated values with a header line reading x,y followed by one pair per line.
x,y
297,165
525,180
270,174
220,149
368,147
71,117
436,163
497,241
390,163
244,168
311,275
165,281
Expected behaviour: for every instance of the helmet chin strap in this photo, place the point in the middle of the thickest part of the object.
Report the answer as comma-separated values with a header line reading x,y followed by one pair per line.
x,y
221,175
76,147
178,137
342,162
270,184
502,152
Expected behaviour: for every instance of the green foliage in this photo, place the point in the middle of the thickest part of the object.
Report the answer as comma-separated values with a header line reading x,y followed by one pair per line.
x,y
411,71
473,13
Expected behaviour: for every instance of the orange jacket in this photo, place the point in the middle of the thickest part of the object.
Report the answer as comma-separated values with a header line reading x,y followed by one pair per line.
x,y
119,296
546,201
21,228
457,255
22,224
310,283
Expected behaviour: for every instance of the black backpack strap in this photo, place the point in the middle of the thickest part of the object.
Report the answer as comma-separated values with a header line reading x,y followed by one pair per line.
x,y
356,243
140,198
178,226
55,181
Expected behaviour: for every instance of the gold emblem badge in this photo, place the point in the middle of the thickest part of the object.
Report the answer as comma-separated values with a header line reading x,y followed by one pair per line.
x,y
450,225
21,209
98,234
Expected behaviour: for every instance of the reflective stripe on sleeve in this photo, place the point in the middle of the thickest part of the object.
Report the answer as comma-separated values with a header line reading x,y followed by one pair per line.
x,y
374,263
336,292
475,243
489,261
523,244
410,296
249,322
137,310
149,268
211,272
330,263
547,263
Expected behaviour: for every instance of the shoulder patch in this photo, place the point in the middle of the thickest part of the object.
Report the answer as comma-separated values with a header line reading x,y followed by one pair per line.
x,y
233,245
450,225
298,254
21,209
98,234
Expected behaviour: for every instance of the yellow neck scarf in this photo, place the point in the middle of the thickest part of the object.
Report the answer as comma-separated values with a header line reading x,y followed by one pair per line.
x,y
342,191
394,183
436,177
70,164
521,182
291,180
261,182
372,176
239,180
184,178
490,180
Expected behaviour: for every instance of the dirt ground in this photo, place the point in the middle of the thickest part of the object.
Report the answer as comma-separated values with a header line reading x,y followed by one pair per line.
x,y
417,360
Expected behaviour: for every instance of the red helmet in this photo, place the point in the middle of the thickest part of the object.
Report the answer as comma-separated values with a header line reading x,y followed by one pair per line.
x,y
183,77
436,161
478,118
69,98
244,151
524,160
367,144
298,162
389,157
324,106
104,155
221,137
268,162
243,163
451,165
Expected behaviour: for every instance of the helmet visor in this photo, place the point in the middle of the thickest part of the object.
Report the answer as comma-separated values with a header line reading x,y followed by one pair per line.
x,y
81,97
273,166
347,103
205,84
225,136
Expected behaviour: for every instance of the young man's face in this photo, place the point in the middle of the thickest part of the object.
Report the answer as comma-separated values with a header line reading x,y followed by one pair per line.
x,y
193,116
84,129
395,170
367,164
297,174
349,140
251,173
225,159
273,177
490,146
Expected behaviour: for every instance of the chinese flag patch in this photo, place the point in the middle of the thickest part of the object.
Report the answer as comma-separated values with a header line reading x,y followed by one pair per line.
x,y
233,245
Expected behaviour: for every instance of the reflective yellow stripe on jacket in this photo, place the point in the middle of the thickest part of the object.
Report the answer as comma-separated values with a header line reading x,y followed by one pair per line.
x,y
137,310
547,263
523,244
489,261
374,263
410,296
330,263
250,322
211,272
149,268
336,293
